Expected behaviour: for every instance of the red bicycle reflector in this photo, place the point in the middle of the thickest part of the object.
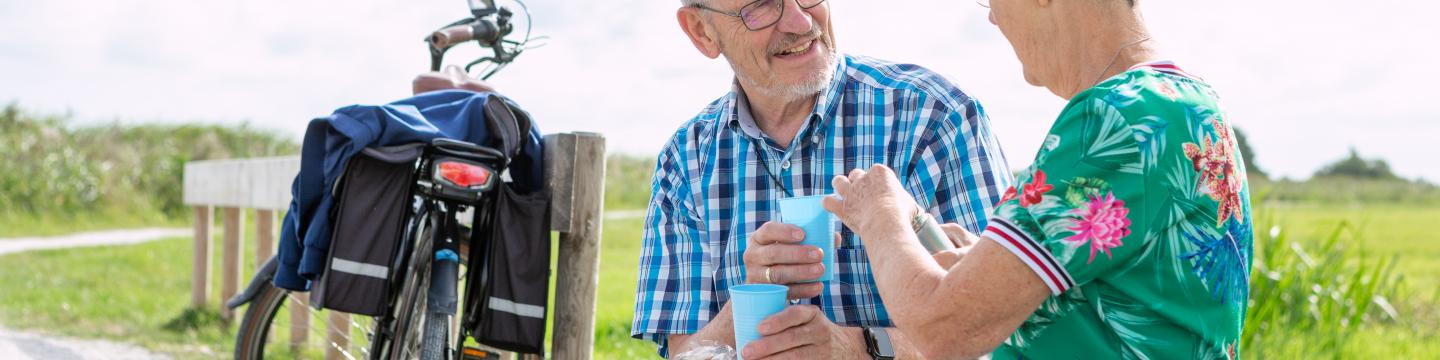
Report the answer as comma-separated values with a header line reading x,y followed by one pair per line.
x,y
465,175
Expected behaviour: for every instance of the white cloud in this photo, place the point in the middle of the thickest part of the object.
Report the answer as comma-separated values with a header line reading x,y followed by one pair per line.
x,y
1307,80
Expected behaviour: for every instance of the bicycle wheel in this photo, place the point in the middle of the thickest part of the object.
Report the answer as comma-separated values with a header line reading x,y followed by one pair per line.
x,y
410,308
279,324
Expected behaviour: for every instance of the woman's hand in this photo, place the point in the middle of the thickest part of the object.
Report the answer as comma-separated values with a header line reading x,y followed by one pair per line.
x,y
871,202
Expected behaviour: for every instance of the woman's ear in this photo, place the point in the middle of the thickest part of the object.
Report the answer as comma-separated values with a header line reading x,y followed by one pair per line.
x,y
701,35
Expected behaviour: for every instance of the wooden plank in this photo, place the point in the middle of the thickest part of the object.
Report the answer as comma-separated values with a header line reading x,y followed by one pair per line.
x,y
578,271
339,338
299,320
262,183
200,270
234,221
560,173
264,235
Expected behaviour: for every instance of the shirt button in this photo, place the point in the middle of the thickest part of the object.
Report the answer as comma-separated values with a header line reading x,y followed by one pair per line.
x,y
785,165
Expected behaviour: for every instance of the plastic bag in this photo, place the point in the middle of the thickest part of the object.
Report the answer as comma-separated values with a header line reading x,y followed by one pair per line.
x,y
708,350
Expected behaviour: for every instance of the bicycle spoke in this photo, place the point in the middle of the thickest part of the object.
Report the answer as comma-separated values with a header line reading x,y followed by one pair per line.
x,y
319,332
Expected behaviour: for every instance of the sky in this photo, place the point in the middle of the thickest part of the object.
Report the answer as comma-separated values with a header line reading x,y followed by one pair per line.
x,y
1306,80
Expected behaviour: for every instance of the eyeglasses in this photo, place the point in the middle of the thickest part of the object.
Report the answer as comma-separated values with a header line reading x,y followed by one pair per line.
x,y
761,14
983,3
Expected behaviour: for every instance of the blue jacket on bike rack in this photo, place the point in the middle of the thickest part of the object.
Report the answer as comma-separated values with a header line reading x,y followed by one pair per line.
x,y
330,142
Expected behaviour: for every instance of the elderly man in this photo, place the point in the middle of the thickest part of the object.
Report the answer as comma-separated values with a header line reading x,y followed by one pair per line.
x,y
799,114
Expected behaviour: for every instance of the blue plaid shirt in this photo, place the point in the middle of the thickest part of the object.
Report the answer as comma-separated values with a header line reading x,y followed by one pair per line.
x,y
709,192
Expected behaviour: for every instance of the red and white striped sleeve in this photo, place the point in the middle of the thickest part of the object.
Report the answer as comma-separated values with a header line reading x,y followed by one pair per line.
x,y
1028,250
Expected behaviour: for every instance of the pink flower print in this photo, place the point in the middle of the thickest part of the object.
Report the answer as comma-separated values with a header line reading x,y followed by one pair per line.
x,y
1103,223
1009,195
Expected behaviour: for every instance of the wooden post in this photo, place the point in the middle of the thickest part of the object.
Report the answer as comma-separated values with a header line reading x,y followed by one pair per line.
x,y
339,335
200,277
264,235
230,259
299,319
578,271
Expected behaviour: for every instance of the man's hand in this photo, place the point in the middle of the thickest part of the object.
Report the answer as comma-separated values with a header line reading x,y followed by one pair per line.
x,y
451,78
802,332
958,235
775,255
963,241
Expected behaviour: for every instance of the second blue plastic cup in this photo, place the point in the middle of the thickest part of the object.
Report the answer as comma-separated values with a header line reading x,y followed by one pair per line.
x,y
819,226
751,304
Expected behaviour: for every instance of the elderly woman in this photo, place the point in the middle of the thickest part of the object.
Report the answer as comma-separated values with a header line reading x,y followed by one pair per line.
x,y
1129,236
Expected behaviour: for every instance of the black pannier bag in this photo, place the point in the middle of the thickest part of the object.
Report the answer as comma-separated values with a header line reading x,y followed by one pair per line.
x,y
508,285
373,198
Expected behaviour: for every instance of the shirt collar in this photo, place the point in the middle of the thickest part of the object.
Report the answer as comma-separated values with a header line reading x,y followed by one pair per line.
x,y
825,107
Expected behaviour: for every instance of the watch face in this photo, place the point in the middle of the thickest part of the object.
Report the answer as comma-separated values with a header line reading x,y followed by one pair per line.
x,y
879,343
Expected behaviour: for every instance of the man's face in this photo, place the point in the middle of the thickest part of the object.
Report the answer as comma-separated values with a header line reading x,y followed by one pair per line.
x,y
793,59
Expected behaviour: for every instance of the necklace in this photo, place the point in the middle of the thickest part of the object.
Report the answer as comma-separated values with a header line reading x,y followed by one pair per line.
x,y
1117,57
765,165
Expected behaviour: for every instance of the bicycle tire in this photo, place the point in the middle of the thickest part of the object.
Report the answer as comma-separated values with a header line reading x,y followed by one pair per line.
x,y
255,325
435,345
413,297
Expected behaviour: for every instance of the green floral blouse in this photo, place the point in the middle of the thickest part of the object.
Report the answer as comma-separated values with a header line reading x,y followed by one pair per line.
x,y
1136,215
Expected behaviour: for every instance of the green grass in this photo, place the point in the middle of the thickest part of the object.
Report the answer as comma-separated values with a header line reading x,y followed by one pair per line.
x,y
615,305
140,293
1324,306
627,182
18,225
1410,231
135,293
1345,191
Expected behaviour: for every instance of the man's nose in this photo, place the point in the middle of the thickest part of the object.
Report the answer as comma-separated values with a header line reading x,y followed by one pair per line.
x,y
795,20
991,14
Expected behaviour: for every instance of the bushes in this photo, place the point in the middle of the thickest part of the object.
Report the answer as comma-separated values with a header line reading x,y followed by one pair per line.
x,y
51,168
627,182
1349,191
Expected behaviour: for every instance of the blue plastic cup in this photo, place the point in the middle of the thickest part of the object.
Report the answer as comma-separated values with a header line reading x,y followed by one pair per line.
x,y
751,304
819,226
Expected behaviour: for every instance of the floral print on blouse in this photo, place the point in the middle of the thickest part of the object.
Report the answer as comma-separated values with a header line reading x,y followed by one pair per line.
x,y
1136,215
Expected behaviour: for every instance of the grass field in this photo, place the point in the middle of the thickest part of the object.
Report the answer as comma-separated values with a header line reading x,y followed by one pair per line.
x,y
1374,234
139,293
134,293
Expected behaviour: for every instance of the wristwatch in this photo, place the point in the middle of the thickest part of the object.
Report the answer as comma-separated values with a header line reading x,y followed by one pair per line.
x,y
877,343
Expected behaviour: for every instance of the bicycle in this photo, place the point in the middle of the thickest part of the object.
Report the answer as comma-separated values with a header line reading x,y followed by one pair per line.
x,y
450,178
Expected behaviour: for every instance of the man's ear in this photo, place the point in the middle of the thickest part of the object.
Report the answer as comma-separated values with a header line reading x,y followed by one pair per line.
x,y
700,35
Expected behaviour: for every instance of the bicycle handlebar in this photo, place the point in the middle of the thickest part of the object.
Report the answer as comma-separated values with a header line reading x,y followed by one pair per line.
x,y
450,36
488,27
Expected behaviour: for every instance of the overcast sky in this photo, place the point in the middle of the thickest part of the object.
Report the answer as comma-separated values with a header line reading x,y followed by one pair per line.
x,y
1306,79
